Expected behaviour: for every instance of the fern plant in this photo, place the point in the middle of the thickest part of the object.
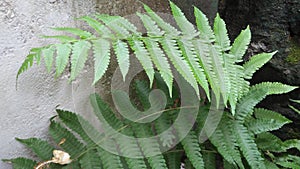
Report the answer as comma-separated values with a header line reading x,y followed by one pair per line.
x,y
202,56
242,140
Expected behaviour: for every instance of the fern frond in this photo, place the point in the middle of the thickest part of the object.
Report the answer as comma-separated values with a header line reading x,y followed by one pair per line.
x,y
266,120
149,147
269,142
100,28
209,160
122,53
160,62
219,73
248,101
48,54
240,44
79,125
109,160
225,142
203,25
90,159
72,145
166,27
143,56
189,54
40,147
35,54
175,56
152,29
289,161
221,34
186,27
255,63
101,51
274,87
63,52
192,149
78,32
21,163
247,145
79,56
269,164
161,125
112,22
173,159
258,126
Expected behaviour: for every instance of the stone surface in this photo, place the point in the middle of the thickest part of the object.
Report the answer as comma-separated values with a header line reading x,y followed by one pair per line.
x,y
25,112
275,24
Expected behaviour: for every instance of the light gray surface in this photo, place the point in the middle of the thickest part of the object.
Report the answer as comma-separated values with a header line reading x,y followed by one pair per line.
x,y
25,112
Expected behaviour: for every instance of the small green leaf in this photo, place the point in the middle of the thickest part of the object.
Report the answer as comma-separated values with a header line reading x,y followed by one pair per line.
x,y
101,50
122,53
48,56
79,56
63,52
240,44
81,33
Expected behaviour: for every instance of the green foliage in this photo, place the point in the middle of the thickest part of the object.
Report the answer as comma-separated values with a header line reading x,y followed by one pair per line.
x,y
202,56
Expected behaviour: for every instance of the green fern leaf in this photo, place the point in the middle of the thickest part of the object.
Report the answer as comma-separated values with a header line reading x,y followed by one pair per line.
x,y
35,54
71,145
142,91
79,125
144,58
255,63
173,159
257,126
113,22
48,57
109,160
161,125
225,142
63,52
186,27
100,28
122,53
246,104
160,62
62,38
149,147
266,120
203,25
189,54
247,145
21,163
274,87
175,56
192,149
188,164
79,56
270,164
90,160
220,73
101,50
78,32
40,147
269,142
166,27
240,45
289,161
152,29
220,31
209,160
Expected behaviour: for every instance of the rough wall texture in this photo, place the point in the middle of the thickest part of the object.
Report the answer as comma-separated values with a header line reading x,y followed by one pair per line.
x,y
25,112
